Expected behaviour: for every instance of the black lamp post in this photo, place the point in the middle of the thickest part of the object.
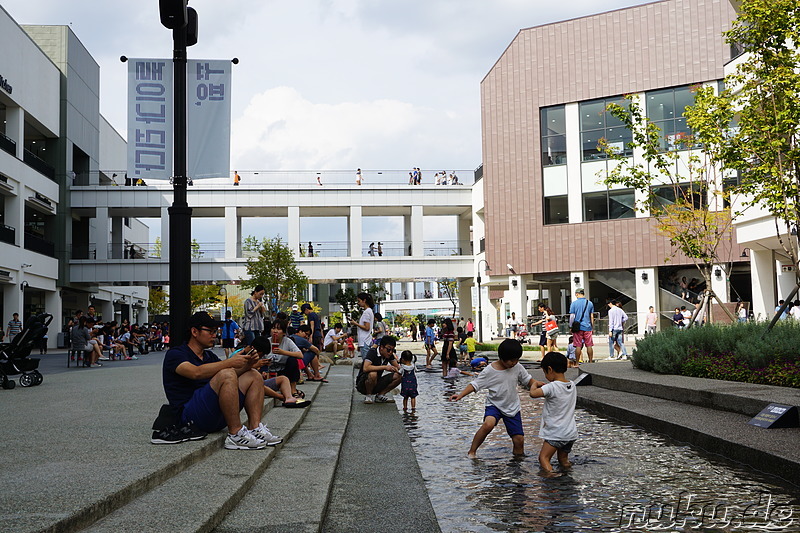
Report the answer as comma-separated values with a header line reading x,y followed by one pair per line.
x,y
182,20
480,315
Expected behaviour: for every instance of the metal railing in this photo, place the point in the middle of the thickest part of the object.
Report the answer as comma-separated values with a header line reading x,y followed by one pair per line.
x,y
38,244
8,234
38,164
7,144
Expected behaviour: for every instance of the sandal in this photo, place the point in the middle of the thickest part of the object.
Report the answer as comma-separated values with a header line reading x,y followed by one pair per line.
x,y
299,394
320,380
298,404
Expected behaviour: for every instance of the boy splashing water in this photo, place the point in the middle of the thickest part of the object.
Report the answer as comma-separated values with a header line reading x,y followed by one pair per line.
x,y
500,379
558,431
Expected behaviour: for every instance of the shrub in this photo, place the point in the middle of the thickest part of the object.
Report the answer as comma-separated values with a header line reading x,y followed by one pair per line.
x,y
733,352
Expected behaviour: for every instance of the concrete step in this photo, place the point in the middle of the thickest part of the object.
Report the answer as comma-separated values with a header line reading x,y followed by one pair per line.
x,y
292,492
743,398
223,477
726,433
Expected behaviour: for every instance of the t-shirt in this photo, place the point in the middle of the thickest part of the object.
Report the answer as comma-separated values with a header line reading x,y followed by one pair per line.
x,y
430,336
501,386
253,320
577,308
295,319
316,332
652,319
558,413
329,337
228,328
15,327
179,389
374,357
367,318
304,345
616,318
279,361
471,343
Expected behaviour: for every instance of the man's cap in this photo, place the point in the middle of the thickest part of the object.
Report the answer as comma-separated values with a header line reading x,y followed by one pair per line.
x,y
305,306
201,319
579,290
295,307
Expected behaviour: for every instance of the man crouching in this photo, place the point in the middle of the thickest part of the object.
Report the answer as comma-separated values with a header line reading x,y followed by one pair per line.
x,y
211,393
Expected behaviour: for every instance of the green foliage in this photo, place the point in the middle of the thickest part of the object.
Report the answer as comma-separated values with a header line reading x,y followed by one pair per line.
x,y
202,296
156,251
449,287
733,352
403,320
158,304
274,267
346,298
422,320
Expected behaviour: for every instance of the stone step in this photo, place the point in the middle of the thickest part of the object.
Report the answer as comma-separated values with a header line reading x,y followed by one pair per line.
x,y
722,432
199,496
743,398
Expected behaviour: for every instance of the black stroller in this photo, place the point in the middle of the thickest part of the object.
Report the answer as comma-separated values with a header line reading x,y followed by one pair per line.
x,y
15,355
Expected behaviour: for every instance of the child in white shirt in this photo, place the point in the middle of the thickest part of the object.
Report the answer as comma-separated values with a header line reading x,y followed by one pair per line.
x,y
558,430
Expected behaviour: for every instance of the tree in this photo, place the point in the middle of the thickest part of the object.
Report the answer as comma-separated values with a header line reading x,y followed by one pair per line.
x,y
158,303
276,270
202,296
346,298
449,287
681,190
157,248
758,115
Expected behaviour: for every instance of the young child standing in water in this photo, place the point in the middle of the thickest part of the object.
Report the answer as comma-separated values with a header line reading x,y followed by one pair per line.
x,y
500,379
408,383
558,430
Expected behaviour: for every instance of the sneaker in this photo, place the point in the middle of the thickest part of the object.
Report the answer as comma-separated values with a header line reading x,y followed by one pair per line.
x,y
190,432
369,398
168,435
264,433
133,357
95,365
104,358
244,440
380,398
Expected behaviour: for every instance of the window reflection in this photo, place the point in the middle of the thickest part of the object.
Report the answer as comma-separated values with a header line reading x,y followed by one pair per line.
x,y
597,123
554,138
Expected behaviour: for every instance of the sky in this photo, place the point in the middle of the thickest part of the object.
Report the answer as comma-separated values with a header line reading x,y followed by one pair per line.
x,y
325,84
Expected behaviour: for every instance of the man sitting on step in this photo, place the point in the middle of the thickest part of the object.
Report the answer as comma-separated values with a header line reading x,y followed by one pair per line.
x,y
211,393
380,372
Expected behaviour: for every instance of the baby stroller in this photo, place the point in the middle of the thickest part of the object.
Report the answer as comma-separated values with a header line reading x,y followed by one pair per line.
x,y
522,334
15,355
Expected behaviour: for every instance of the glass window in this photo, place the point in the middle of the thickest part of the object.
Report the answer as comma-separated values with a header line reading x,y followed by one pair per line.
x,y
608,205
665,109
554,138
666,195
556,210
597,123
595,206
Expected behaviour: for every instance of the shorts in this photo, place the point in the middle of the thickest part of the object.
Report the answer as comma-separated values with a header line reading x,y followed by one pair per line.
x,y
271,383
561,445
203,409
308,357
582,338
364,350
227,343
513,423
432,346
543,339
380,385
462,348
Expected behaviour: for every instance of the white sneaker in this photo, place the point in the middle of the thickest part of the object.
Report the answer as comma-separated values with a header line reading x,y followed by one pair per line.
x,y
380,398
244,440
266,435
104,358
369,398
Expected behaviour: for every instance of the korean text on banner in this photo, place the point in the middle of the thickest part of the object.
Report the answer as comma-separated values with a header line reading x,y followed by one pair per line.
x,y
150,119
209,117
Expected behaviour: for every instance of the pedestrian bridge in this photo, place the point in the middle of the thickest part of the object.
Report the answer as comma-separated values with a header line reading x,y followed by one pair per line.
x,y
100,254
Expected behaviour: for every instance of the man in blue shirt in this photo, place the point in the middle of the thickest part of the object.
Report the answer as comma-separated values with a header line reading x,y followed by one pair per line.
x,y
314,323
211,393
229,330
582,310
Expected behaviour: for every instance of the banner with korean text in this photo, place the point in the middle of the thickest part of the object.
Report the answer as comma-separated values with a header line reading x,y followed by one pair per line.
x,y
208,85
150,119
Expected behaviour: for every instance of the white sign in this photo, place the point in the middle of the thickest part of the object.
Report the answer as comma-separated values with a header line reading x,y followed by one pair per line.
x,y
150,119
208,85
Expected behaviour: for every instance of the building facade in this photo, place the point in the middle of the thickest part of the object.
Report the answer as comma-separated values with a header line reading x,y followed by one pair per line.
x,y
551,224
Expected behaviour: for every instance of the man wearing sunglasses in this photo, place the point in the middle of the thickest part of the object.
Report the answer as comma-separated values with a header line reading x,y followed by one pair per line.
x,y
211,393
379,372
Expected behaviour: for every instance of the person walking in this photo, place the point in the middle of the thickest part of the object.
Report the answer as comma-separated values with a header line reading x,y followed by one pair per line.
x,y
254,310
581,319
14,327
358,176
380,249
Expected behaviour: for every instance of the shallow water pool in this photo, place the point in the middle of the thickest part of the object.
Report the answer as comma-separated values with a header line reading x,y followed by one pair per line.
x,y
623,479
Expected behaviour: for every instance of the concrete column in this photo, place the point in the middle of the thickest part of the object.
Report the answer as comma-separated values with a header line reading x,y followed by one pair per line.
x,y
410,290
417,236
574,186
583,282
786,281
164,233
15,214
517,288
719,284
465,307
233,231
647,294
52,305
355,230
406,234
293,236
15,128
105,309
323,295
464,225
117,239
12,300
387,288
762,277
102,232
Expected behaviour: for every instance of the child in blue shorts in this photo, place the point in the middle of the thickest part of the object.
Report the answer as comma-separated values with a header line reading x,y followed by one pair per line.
x,y
500,379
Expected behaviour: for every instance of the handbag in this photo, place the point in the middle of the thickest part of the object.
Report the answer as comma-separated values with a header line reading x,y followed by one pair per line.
x,y
550,326
576,325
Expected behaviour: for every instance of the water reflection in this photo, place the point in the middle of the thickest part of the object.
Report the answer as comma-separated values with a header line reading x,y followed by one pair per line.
x,y
623,478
